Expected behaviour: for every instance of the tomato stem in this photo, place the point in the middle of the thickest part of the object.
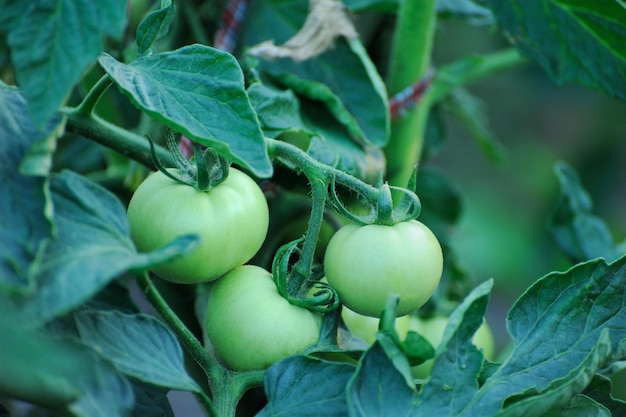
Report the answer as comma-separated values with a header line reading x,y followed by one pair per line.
x,y
113,137
184,335
87,106
410,59
304,265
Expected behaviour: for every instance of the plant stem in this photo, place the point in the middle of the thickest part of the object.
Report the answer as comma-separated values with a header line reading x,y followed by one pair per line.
x,y
184,335
123,141
87,106
304,266
316,170
410,59
232,386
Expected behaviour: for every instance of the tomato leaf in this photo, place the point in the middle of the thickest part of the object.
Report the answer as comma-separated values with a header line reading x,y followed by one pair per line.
x,y
377,388
60,373
158,360
300,386
151,402
600,390
457,363
25,218
53,42
555,359
581,406
155,26
580,234
278,110
92,247
471,112
197,91
343,78
575,41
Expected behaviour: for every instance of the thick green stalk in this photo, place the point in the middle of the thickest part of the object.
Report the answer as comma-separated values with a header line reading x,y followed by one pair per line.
x,y
184,335
114,137
410,60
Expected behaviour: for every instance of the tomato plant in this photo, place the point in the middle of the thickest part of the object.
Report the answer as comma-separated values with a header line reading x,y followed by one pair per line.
x,y
231,220
367,264
408,151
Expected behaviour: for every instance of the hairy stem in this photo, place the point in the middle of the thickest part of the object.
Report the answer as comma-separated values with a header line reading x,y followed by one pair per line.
x,y
305,264
87,106
121,140
410,59
184,335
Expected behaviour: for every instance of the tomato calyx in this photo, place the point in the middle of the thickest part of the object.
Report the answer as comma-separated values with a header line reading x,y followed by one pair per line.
x,y
381,209
205,171
323,299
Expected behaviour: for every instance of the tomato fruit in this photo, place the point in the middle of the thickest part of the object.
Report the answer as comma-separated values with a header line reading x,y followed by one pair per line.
x,y
433,328
231,220
251,326
367,264
366,327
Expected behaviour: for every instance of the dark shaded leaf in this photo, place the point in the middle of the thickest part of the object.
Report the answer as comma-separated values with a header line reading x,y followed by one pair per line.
x,y
25,210
300,386
157,360
53,42
566,327
580,234
59,373
575,41
151,402
91,248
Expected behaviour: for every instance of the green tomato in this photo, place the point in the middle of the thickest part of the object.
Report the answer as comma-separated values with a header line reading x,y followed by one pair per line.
x,y
366,327
231,220
433,328
367,264
251,326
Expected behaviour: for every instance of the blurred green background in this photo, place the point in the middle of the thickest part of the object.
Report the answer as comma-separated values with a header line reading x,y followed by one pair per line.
x,y
502,233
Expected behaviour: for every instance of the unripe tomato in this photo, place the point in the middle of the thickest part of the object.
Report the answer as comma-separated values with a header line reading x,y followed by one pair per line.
x,y
433,328
367,264
251,326
366,327
231,220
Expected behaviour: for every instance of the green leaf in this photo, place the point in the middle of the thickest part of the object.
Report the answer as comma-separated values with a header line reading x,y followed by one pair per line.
x,y
59,373
458,363
91,248
151,402
581,406
157,360
300,386
331,146
155,26
600,390
278,110
471,112
53,42
343,79
25,210
197,91
580,234
575,41
566,327
377,388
